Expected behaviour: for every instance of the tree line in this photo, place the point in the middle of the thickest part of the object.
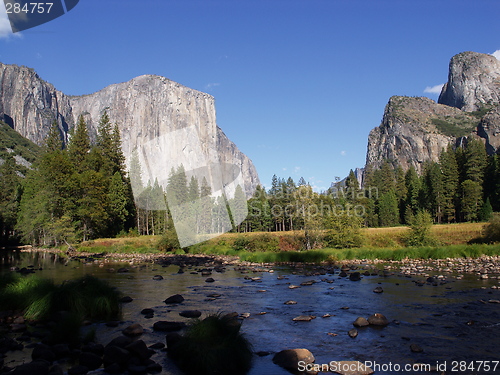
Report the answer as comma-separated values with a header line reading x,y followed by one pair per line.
x,y
464,185
83,191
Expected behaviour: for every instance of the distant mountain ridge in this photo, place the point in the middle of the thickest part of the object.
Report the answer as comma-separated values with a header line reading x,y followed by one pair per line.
x,y
145,108
416,129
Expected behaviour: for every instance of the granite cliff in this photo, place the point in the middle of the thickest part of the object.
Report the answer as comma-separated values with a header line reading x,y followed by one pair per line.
x,y
416,129
153,113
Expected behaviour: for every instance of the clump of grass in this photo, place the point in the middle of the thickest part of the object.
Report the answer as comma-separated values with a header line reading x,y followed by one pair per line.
x,y
213,345
88,297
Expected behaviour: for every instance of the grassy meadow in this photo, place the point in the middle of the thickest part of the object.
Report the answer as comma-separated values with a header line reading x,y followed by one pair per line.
x,y
452,241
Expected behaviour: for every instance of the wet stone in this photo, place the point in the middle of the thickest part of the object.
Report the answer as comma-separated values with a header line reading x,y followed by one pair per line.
x,y
353,333
176,298
166,326
133,330
78,370
416,348
190,313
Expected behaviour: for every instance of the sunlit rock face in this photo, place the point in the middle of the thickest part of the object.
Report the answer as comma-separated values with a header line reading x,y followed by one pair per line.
x,y
167,123
416,129
473,81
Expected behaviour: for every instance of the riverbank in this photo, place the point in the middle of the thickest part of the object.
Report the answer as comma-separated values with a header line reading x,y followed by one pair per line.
x,y
428,304
483,266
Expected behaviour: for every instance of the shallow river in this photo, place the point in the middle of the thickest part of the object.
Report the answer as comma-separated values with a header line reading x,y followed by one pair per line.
x,y
456,324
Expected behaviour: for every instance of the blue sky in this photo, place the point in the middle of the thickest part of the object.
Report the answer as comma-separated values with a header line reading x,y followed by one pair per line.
x,y
298,83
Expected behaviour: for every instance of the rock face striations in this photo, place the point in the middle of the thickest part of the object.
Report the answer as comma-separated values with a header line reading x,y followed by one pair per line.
x,y
152,113
416,129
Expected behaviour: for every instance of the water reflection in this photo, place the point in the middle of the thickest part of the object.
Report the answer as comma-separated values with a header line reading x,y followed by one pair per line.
x,y
448,321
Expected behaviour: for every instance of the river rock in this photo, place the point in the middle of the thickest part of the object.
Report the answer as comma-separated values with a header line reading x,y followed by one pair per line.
x,y
126,299
32,368
140,350
355,276
360,322
93,348
290,302
120,341
353,333
90,360
43,352
61,350
378,320
133,330
290,358
147,311
115,355
378,289
78,370
166,326
56,370
157,277
303,318
154,368
176,298
209,280
416,348
190,313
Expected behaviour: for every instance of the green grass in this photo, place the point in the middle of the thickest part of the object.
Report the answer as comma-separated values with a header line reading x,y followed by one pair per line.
x,y
336,255
213,345
87,297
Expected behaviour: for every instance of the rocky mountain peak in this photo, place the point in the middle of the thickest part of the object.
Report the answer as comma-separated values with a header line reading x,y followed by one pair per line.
x,y
167,123
473,82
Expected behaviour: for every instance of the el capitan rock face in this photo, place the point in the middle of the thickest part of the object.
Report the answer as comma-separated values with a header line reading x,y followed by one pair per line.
x,y
417,129
146,108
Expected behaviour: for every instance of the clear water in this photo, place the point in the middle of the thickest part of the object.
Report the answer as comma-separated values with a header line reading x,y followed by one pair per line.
x,y
448,321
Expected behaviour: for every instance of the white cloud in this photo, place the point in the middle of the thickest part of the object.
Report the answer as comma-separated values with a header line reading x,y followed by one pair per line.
x,y
211,85
296,170
343,153
497,54
434,89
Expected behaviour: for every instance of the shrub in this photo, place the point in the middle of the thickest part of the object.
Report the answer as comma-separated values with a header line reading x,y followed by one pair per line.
x,y
241,243
491,231
290,242
420,230
213,345
344,231
168,242
263,242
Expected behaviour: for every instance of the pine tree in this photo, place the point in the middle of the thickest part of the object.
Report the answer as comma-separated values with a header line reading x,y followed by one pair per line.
x,y
434,190
388,210
193,189
472,200
118,202
79,146
413,188
53,141
10,194
450,177
238,207
475,161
